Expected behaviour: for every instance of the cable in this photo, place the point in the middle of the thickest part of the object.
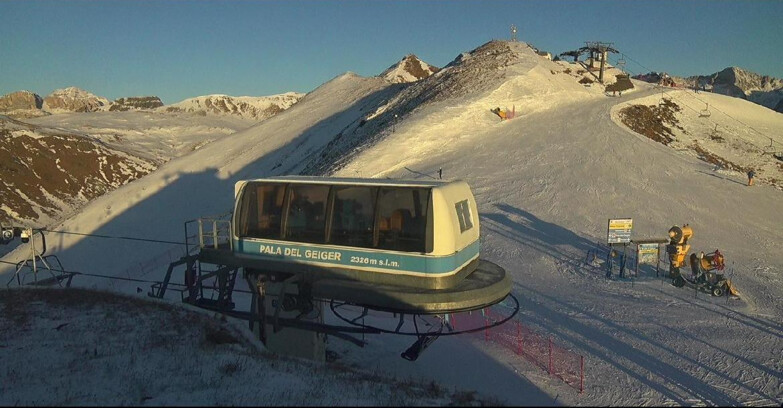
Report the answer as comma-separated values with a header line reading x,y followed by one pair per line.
x,y
701,100
118,277
113,237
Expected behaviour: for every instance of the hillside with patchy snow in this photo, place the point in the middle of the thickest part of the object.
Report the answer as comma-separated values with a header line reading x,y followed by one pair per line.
x,y
409,69
251,107
545,182
48,171
54,164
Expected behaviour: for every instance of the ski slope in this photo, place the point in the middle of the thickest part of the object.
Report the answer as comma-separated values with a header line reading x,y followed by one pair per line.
x,y
546,183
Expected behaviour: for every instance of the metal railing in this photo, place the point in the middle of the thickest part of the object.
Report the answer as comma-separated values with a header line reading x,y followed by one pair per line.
x,y
208,232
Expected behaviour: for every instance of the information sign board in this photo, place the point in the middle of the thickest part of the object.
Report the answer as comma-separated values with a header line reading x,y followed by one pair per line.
x,y
647,253
619,230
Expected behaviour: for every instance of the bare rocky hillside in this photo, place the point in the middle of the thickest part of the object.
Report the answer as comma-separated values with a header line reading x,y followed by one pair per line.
x,y
48,171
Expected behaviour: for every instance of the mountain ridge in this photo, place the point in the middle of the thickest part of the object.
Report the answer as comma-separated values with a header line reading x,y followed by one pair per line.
x,y
732,81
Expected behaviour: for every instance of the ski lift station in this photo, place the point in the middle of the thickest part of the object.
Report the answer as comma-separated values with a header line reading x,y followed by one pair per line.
x,y
407,250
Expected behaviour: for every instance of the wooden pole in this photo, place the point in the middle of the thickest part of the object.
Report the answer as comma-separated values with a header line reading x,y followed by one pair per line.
x,y
550,355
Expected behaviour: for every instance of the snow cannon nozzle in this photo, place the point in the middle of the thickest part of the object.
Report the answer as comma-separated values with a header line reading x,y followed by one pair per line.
x,y
680,235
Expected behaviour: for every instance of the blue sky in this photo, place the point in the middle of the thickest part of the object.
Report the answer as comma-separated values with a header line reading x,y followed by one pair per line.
x,y
182,49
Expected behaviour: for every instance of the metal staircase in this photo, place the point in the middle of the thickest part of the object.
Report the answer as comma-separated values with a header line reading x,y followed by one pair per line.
x,y
204,284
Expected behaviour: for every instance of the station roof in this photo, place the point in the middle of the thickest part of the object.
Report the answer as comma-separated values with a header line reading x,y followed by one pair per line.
x,y
356,180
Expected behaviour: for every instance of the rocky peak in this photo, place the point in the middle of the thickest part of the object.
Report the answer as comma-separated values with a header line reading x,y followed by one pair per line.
x,y
733,81
73,99
747,81
409,69
135,103
20,100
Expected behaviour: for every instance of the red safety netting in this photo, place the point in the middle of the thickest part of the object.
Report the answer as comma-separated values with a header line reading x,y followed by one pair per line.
x,y
523,341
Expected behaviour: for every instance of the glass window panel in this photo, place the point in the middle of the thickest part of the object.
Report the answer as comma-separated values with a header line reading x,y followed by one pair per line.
x,y
262,207
307,213
402,218
352,220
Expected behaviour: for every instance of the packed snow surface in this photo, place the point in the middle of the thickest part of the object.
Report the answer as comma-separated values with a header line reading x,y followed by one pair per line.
x,y
546,183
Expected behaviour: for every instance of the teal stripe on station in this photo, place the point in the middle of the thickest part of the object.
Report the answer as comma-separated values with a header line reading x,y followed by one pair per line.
x,y
355,257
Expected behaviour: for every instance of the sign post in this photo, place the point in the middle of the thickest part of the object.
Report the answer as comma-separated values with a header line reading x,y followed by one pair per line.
x,y
618,232
648,252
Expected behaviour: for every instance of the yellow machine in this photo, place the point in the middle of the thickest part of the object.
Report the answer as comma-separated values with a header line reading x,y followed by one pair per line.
x,y
711,261
678,248
705,268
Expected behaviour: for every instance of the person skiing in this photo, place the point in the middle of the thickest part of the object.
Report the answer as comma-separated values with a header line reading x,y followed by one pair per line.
x,y
751,174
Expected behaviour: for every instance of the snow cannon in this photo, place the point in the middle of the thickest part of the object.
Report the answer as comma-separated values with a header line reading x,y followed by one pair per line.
x,y
705,270
678,248
708,262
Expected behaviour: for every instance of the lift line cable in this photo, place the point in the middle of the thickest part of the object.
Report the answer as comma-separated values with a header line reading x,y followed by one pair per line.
x,y
694,96
741,122
750,142
118,277
663,88
158,241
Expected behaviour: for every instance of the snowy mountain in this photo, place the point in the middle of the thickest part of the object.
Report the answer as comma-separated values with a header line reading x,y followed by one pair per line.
x,y
21,104
125,130
491,69
251,107
73,99
761,89
25,104
545,182
409,69
732,81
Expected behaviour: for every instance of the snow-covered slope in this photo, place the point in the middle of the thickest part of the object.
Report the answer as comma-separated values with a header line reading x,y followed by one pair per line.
x,y
496,74
251,107
546,182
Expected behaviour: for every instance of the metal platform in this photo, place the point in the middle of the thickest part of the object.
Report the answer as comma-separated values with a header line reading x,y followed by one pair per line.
x,y
481,284
487,285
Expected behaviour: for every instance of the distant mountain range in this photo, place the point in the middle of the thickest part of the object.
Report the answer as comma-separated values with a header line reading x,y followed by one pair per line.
x,y
25,104
258,108
59,170
733,81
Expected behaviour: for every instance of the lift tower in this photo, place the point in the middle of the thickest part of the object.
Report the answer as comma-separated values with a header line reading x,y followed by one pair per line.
x,y
599,51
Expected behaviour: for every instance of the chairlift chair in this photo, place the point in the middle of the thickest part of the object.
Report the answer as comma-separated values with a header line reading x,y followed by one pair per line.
x,y
621,63
705,113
